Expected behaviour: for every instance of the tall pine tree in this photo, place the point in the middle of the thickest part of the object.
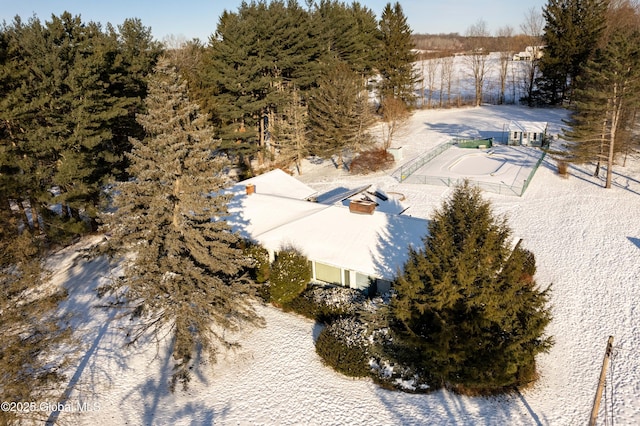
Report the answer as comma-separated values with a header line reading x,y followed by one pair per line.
x,y
606,95
347,33
339,114
68,99
396,69
34,339
184,274
250,57
468,302
571,34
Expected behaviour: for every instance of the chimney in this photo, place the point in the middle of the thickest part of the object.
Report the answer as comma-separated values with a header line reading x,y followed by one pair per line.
x,y
362,206
251,188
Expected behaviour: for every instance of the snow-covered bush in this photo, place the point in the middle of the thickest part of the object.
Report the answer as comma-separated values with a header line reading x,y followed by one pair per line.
x,y
343,345
401,377
290,275
327,304
261,267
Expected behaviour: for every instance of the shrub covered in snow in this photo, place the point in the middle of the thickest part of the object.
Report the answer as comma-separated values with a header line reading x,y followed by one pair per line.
x,y
357,341
290,274
398,376
261,267
327,304
343,345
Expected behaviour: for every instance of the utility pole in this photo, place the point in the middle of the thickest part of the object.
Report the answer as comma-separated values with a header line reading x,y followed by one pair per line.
x,y
603,376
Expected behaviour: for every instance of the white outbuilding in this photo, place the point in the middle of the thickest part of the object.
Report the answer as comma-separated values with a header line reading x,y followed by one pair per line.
x,y
527,133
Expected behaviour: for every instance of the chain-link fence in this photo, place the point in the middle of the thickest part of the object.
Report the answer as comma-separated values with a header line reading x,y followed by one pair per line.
x,y
407,169
406,174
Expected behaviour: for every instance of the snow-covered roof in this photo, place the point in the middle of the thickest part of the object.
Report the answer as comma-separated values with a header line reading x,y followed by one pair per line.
x,y
256,214
528,126
277,182
343,196
373,244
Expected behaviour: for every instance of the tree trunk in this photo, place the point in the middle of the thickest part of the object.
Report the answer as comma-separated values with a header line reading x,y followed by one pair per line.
x,y
23,214
616,110
176,204
602,142
261,139
37,230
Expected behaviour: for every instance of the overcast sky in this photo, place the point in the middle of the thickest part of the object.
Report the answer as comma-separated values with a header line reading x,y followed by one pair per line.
x,y
198,18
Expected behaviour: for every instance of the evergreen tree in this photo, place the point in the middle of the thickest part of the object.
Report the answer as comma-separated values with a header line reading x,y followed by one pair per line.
x,y
184,274
468,302
606,95
347,33
571,34
33,336
135,58
339,114
252,54
397,57
65,111
57,115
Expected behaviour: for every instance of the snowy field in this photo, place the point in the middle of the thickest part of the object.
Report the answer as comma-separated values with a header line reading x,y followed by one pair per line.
x,y
587,244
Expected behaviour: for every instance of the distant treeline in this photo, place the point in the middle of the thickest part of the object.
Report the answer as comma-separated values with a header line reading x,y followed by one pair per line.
x,y
439,45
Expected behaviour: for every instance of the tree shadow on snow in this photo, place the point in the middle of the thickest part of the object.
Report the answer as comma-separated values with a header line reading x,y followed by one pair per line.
x,y
158,402
392,248
619,180
91,326
445,407
454,130
625,182
154,389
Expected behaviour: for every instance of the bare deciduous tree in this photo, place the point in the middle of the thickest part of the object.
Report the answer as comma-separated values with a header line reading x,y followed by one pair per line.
x,y
395,116
477,57
505,36
431,68
446,77
289,131
532,28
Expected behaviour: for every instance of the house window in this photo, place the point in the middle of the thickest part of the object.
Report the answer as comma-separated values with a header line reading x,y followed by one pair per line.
x,y
362,281
327,273
515,136
535,136
347,278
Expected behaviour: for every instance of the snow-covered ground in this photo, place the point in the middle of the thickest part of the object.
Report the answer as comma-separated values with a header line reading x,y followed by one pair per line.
x,y
587,244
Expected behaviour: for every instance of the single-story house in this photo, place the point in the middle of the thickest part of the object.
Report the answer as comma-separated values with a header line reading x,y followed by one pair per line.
x,y
352,245
527,133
